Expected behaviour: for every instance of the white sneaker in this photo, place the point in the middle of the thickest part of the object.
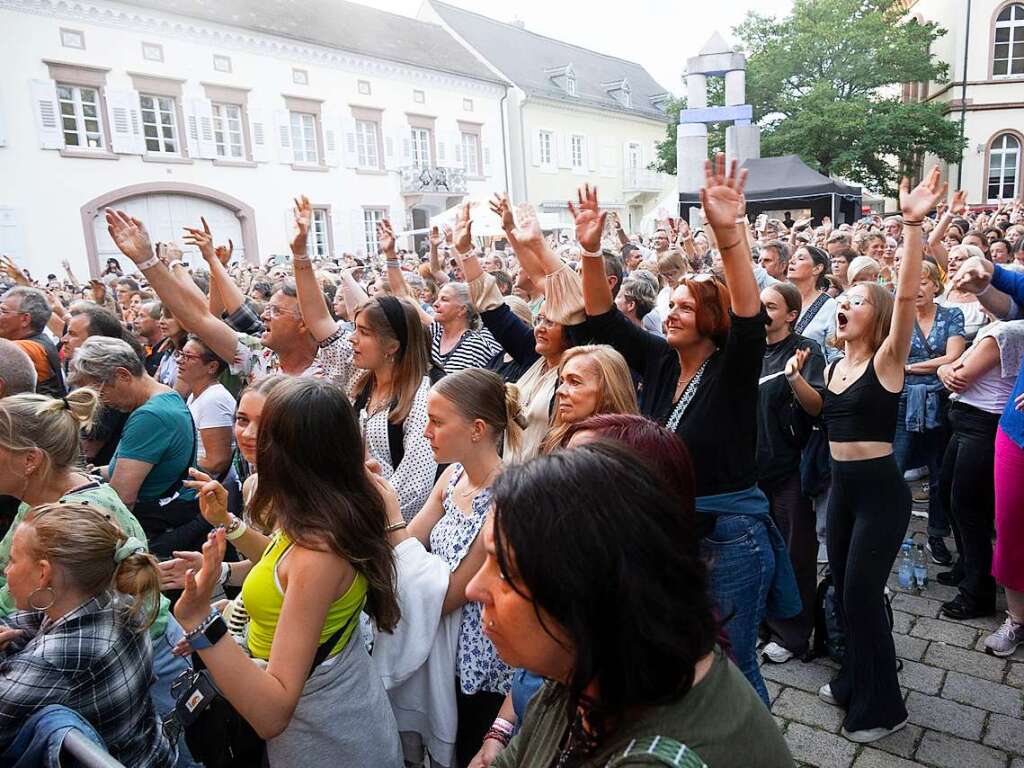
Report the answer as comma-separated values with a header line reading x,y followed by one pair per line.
x,y
776,654
825,694
911,475
1004,641
872,734
822,554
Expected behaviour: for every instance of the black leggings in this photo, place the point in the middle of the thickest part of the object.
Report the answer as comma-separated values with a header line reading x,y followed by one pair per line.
x,y
868,516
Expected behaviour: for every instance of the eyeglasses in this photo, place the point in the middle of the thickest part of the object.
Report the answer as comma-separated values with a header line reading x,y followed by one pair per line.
x,y
856,301
181,355
542,322
272,311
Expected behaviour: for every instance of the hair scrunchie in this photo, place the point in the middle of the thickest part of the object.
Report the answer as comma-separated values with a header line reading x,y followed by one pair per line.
x,y
129,548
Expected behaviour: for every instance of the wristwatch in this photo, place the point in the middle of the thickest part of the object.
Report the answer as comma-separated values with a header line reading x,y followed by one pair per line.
x,y
208,633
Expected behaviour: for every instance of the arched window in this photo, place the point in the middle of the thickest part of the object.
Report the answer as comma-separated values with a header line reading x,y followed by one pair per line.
x,y
1008,54
1003,168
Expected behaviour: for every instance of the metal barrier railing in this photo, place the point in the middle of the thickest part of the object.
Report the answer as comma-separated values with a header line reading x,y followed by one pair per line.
x,y
76,750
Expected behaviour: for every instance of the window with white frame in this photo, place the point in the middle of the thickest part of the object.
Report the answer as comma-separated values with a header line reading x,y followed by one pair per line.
x,y
227,131
547,141
577,146
304,138
80,116
1008,53
1004,168
471,154
367,155
316,243
159,124
420,138
371,218
570,85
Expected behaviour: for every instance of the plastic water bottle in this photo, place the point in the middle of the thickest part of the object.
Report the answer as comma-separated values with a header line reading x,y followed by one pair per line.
x,y
906,571
920,567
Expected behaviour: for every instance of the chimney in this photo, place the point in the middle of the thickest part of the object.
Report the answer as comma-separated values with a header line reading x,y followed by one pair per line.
x,y
518,23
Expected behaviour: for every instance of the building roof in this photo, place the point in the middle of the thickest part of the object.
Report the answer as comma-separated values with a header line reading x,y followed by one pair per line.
x,y
527,59
340,25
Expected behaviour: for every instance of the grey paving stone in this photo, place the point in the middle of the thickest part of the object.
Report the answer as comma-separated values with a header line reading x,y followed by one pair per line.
x,y
908,647
945,715
921,677
919,606
969,662
773,689
948,752
1018,762
987,623
902,743
803,707
944,632
873,758
1005,733
818,748
1015,676
797,674
983,694
902,622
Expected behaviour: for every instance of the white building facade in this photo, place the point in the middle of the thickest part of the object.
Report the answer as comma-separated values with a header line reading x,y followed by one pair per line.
x,y
228,113
987,95
573,115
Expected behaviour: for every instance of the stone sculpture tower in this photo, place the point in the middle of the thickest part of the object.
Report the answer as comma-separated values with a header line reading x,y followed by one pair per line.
x,y
742,137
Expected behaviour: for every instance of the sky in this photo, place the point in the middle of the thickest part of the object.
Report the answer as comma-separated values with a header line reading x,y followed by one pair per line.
x,y
659,34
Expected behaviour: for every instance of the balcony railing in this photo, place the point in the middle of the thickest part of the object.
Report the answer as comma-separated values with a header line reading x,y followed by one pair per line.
x,y
433,179
643,180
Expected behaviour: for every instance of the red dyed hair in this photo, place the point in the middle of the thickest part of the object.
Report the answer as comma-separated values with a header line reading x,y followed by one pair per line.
x,y
665,452
712,303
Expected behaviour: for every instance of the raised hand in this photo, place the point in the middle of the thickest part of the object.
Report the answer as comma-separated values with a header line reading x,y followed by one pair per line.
x,y
129,235
589,218
224,252
303,221
386,238
917,203
463,230
974,275
502,208
436,238
449,235
796,363
721,197
13,271
959,205
194,604
201,239
213,497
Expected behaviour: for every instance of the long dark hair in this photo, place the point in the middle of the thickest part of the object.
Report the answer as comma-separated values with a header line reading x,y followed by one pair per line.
x,y
314,487
626,587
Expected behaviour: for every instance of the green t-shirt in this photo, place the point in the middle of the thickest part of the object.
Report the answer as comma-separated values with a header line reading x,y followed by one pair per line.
x,y
721,719
99,495
159,432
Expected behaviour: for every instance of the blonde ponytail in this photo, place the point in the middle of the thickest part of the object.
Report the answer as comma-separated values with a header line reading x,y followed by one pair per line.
x,y
83,542
516,419
50,425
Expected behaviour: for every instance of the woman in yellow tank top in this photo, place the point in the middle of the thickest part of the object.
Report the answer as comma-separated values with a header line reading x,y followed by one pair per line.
x,y
326,515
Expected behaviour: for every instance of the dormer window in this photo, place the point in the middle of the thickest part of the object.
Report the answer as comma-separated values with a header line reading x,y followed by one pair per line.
x,y
620,91
570,85
564,78
627,98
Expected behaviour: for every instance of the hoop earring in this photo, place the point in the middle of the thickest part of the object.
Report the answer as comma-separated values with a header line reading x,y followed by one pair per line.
x,y
53,598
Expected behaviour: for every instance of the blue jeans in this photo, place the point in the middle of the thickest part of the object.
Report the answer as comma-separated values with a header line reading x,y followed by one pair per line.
x,y
742,565
924,449
38,743
166,669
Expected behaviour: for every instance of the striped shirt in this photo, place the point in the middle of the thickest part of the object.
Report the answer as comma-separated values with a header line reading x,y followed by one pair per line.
x,y
474,349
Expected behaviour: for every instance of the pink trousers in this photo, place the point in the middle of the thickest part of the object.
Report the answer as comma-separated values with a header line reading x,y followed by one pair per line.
x,y
1008,558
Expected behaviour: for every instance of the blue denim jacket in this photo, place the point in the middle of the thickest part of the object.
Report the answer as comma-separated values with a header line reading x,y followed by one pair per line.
x,y
924,406
783,596
39,741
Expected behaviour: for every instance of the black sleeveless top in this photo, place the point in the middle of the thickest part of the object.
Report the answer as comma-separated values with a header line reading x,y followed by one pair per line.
x,y
864,411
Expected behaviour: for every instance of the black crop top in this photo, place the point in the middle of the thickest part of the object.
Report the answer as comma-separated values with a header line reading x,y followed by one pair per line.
x,y
864,411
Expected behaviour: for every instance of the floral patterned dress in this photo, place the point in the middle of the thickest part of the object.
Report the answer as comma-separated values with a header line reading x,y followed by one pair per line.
x,y
478,666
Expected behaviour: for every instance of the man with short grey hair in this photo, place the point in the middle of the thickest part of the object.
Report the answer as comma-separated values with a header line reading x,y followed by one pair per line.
x,y
17,374
24,313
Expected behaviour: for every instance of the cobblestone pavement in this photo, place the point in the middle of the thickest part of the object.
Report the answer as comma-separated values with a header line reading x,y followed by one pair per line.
x,y
966,707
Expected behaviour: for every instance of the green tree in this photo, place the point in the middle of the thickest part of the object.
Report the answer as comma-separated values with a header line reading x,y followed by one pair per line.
x,y
824,82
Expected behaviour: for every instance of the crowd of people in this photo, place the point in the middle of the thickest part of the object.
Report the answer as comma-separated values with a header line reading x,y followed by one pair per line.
x,y
532,501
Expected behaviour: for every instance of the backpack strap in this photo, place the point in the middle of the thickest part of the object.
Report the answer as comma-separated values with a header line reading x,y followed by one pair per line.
x,y
811,313
661,749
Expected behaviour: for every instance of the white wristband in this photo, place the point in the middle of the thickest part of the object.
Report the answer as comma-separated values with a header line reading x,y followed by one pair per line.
x,y
151,262
459,254
240,529
592,254
225,574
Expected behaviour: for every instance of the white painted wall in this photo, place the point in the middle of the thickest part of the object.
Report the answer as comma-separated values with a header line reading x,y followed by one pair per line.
x,y
43,192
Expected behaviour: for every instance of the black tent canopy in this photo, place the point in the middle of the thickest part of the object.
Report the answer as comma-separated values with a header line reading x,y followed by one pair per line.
x,y
786,183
